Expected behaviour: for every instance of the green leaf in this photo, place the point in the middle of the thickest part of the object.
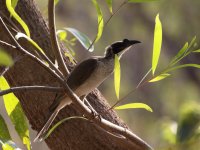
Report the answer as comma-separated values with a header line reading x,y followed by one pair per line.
x,y
14,3
192,42
22,35
17,17
160,77
56,2
180,53
117,76
9,145
134,105
109,3
183,66
60,122
168,131
141,1
100,20
62,34
4,132
82,38
188,123
197,51
5,59
157,43
16,113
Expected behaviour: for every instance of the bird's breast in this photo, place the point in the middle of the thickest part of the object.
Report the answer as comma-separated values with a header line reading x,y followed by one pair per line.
x,y
103,70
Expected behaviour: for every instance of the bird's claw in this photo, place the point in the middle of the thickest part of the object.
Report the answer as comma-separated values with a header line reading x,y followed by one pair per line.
x,y
95,115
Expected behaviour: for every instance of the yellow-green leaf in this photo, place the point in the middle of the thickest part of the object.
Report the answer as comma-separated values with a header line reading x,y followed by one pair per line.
x,y
109,3
100,20
22,35
14,3
192,42
60,122
197,51
17,17
4,132
62,34
5,59
56,2
9,145
16,114
157,43
134,105
117,76
5,138
180,53
82,38
160,77
183,66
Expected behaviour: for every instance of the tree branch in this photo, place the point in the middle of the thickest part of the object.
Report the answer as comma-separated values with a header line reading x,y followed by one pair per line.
x,y
54,40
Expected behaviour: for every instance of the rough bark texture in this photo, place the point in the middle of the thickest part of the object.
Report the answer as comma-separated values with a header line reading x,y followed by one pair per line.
x,y
72,135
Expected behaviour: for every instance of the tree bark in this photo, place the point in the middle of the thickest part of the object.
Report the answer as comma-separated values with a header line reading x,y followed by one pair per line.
x,y
71,135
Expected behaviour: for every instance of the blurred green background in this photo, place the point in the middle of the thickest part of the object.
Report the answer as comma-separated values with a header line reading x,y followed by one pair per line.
x,y
171,99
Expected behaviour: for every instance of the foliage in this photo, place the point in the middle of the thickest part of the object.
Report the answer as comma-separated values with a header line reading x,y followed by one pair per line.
x,y
134,105
100,20
82,38
109,3
62,121
117,76
5,60
157,44
22,35
16,113
17,17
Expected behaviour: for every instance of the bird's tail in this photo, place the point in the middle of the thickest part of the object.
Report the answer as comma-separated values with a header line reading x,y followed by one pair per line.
x,y
40,136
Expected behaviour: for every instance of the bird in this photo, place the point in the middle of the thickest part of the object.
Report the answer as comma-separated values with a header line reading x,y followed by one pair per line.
x,y
87,76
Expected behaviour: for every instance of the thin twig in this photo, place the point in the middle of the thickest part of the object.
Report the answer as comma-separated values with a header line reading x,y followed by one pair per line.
x,y
143,78
107,21
107,125
39,53
23,51
122,4
6,69
31,88
7,44
14,27
140,84
54,39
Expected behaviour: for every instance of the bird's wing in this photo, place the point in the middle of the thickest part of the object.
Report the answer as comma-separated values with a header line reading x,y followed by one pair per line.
x,y
77,77
81,73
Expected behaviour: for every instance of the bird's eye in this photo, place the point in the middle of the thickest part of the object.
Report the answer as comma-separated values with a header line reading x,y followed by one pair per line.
x,y
125,40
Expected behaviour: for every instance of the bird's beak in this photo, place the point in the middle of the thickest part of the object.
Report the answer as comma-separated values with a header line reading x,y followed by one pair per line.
x,y
121,46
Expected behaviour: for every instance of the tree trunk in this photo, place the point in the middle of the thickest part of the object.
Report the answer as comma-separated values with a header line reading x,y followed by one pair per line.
x,y
71,135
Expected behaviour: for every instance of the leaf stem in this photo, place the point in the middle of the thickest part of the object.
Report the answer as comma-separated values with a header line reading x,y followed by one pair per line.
x,y
116,11
107,21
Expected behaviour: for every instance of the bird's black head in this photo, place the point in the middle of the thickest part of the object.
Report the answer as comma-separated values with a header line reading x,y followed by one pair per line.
x,y
119,46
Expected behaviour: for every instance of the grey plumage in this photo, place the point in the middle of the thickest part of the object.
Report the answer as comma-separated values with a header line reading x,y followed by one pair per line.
x,y
85,77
